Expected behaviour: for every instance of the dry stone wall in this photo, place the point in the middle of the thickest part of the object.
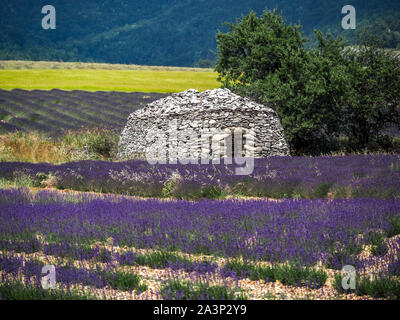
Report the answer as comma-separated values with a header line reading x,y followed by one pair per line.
x,y
165,128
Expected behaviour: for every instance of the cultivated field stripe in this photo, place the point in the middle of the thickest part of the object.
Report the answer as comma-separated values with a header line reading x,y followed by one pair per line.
x,y
108,80
255,290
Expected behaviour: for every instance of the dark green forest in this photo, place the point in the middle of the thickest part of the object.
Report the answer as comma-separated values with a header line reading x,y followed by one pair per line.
x,y
168,32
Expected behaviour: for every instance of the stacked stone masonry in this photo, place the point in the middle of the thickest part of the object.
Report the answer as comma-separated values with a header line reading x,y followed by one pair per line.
x,y
163,127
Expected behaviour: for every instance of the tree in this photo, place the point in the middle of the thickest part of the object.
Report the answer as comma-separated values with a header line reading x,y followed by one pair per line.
x,y
374,99
265,59
319,94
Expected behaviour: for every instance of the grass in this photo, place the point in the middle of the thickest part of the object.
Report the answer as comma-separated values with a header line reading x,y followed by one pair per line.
x,y
108,80
34,147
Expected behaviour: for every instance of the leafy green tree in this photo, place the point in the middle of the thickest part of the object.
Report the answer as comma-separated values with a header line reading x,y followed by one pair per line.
x,y
319,94
373,102
265,59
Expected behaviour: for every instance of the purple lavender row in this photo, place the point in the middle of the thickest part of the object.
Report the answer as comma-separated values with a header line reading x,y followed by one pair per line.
x,y
26,104
56,113
81,112
7,127
129,100
75,109
303,231
375,176
30,125
25,107
98,109
68,274
126,100
81,252
102,104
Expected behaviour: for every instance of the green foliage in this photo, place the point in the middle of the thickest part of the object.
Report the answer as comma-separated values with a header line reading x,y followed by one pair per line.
x,y
394,228
22,179
171,186
186,290
379,250
286,274
17,291
159,259
377,241
374,237
385,28
96,143
319,94
322,190
374,95
213,192
379,287
295,275
241,188
125,281
101,144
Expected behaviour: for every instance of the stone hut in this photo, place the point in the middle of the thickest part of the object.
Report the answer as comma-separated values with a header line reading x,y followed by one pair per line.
x,y
174,126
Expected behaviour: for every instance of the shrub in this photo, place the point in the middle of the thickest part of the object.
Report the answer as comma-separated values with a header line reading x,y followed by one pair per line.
x,y
164,259
91,144
100,144
378,245
394,228
186,290
379,250
125,281
287,274
212,192
171,185
322,190
379,287
17,291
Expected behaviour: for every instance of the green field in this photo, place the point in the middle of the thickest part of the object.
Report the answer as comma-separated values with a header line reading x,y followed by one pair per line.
x,y
151,80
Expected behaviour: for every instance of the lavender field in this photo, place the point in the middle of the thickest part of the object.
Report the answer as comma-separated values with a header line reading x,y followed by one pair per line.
x,y
343,177
131,230
118,247
55,111
328,212
197,150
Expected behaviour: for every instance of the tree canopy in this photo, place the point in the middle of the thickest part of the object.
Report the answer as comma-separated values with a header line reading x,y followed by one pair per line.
x,y
320,94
